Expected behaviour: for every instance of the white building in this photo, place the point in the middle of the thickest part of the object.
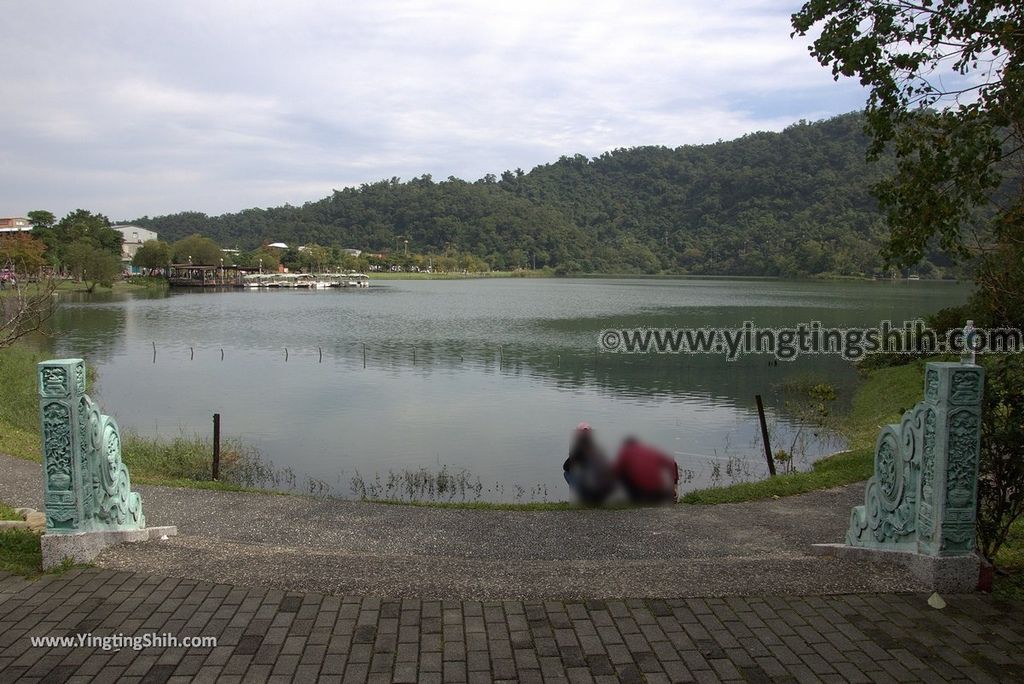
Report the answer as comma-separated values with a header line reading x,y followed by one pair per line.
x,y
133,237
14,224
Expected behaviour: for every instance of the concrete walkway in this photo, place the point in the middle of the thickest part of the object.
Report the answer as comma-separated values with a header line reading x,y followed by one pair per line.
x,y
343,547
270,635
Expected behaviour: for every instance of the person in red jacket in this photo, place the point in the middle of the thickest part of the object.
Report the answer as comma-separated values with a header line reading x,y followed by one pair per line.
x,y
647,474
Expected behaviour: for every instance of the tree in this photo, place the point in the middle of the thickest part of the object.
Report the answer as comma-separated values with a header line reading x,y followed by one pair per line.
x,y
152,255
198,250
999,488
946,93
24,253
91,264
84,226
260,258
40,218
24,309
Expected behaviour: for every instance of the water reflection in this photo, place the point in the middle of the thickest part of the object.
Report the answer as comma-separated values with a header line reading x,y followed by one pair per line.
x,y
482,376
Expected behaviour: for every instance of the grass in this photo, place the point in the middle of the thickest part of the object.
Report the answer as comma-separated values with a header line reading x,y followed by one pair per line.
x,y
494,506
7,513
19,550
1009,582
880,399
20,553
134,284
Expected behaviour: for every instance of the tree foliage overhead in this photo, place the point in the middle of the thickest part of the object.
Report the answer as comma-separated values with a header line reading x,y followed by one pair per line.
x,y
946,95
791,203
946,84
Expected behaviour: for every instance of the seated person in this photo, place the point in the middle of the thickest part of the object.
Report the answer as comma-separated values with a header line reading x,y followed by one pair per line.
x,y
648,475
587,470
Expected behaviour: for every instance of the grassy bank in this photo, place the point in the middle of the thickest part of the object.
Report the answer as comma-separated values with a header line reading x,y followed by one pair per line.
x,y
182,461
880,399
136,284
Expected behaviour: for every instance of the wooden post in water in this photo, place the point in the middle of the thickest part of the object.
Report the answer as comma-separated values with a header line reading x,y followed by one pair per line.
x,y
216,446
764,435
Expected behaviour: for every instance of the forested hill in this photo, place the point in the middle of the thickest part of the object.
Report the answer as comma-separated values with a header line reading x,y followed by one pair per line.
x,y
791,203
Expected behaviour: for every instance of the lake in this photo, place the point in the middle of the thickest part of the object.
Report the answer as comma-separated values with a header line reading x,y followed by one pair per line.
x,y
482,377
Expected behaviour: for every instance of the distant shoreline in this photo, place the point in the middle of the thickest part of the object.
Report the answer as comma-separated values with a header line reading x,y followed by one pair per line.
x,y
387,275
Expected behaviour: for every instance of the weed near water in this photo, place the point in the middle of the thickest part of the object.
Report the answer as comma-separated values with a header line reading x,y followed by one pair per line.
x,y
880,399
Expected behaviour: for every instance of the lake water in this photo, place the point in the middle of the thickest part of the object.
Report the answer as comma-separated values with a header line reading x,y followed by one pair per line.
x,y
485,377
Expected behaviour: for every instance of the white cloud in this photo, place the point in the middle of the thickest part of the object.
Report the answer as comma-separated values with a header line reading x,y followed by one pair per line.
x,y
137,108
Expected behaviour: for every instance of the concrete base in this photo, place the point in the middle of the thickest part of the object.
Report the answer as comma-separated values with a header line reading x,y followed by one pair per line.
x,y
82,547
944,574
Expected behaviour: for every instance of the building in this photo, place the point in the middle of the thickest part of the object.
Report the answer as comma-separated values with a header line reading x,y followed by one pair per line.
x,y
133,237
14,224
352,252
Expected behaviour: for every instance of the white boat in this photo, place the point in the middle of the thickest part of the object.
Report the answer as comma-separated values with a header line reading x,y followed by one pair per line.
x,y
357,280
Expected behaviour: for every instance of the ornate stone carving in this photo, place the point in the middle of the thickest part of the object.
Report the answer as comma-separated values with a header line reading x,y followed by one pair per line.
x,y
925,516
923,494
966,388
931,385
87,487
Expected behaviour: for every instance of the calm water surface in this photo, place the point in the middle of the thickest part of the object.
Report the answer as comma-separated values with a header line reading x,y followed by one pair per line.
x,y
489,376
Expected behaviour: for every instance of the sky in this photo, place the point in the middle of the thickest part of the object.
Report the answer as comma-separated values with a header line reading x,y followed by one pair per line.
x,y
145,107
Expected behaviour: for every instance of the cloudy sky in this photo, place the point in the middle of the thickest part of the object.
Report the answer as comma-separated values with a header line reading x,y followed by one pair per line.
x,y
150,107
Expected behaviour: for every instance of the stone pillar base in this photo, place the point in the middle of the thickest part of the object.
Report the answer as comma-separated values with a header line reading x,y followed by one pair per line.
x,y
83,547
944,574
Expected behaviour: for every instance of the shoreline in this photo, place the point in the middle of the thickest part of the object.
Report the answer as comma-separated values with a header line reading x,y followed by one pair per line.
x,y
183,462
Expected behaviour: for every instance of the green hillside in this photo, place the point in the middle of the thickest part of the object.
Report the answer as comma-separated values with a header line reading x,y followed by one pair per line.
x,y
791,203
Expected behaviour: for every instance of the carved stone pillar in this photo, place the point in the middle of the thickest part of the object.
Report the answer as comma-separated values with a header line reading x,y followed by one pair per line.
x,y
86,487
67,477
923,495
949,471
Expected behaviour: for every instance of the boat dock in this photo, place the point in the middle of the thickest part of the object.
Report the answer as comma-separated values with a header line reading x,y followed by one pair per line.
x,y
192,275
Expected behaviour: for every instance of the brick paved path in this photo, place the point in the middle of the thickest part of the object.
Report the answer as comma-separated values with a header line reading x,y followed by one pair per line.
x,y
267,634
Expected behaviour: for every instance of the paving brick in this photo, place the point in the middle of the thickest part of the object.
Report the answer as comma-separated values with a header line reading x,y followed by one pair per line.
x,y
279,636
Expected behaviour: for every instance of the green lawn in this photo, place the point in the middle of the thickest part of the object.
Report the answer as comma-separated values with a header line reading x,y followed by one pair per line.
x,y
879,400
19,549
20,554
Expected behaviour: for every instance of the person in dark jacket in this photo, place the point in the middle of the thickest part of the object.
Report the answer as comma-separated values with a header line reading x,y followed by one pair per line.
x,y
647,474
587,470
